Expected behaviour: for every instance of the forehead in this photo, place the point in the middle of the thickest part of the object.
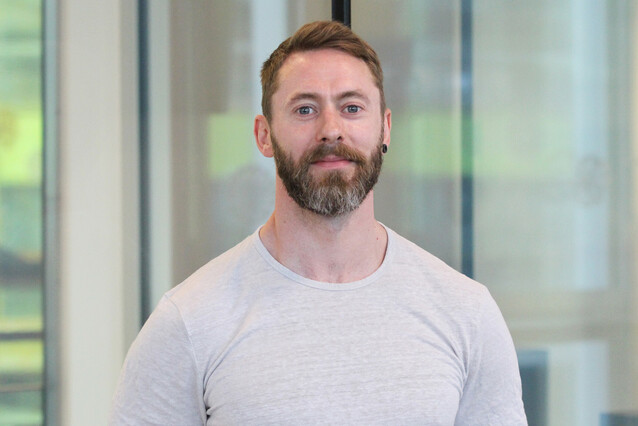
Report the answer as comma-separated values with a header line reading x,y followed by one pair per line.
x,y
324,71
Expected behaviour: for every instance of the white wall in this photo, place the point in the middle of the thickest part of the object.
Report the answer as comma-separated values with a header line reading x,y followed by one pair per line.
x,y
99,273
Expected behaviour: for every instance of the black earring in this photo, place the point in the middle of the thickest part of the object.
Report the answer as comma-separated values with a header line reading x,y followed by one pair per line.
x,y
384,148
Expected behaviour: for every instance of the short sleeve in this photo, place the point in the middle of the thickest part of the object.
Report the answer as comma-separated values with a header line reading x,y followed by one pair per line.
x,y
492,392
159,383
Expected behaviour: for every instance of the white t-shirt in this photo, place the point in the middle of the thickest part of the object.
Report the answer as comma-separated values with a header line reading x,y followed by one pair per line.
x,y
246,341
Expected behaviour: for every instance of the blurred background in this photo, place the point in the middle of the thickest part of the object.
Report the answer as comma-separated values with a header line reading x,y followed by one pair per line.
x,y
127,161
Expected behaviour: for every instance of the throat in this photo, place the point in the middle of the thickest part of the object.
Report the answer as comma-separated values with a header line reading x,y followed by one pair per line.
x,y
327,254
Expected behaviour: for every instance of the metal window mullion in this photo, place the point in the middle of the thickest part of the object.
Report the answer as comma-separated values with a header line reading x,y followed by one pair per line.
x,y
341,11
467,141
50,213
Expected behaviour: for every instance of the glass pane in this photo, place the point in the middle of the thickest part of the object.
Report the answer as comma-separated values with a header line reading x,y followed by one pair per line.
x,y
209,185
553,88
554,96
21,347
418,194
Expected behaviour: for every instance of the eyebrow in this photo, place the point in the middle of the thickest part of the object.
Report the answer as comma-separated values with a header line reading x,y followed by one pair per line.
x,y
353,94
304,96
315,96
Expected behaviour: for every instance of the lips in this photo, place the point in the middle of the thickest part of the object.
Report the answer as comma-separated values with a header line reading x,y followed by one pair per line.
x,y
332,162
332,159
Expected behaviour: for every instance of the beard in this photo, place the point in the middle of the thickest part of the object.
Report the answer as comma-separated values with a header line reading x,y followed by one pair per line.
x,y
331,194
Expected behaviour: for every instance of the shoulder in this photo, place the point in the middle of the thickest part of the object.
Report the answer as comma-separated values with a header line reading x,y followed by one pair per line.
x,y
218,284
417,265
232,262
461,308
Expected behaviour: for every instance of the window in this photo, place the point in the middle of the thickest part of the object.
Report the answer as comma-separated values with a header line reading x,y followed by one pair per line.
x,y
551,153
21,220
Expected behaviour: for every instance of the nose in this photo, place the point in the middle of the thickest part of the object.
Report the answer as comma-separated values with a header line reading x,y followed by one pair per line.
x,y
330,127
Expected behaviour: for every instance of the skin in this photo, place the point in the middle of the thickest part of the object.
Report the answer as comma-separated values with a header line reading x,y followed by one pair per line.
x,y
324,97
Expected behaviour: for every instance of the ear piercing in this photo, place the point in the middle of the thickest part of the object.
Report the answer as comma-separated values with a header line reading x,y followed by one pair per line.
x,y
384,148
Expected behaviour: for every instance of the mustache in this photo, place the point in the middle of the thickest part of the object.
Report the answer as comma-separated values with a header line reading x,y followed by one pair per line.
x,y
339,150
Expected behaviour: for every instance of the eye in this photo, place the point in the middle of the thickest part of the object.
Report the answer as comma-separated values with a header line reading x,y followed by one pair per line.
x,y
305,110
353,109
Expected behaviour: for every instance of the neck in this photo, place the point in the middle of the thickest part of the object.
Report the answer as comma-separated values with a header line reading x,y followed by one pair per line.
x,y
330,249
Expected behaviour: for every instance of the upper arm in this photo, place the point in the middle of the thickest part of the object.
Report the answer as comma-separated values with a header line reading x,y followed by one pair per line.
x,y
160,382
492,392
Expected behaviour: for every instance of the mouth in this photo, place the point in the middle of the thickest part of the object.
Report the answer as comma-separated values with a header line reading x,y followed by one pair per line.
x,y
332,162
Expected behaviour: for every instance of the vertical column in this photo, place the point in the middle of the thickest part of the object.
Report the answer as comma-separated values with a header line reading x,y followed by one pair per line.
x,y
99,264
467,142
156,158
590,68
341,11
51,193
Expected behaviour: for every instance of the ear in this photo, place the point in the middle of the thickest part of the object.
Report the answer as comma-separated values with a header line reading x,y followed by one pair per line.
x,y
387,126
262,136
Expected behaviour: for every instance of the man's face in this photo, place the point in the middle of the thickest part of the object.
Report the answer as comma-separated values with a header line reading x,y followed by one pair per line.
x,y
327,130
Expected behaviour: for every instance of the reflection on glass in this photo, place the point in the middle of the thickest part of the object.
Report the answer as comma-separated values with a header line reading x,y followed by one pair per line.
x,y
21,348
210,186
553,107
544,137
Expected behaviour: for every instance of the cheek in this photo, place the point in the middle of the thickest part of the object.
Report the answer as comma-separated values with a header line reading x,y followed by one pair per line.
x,y
366,135
294,133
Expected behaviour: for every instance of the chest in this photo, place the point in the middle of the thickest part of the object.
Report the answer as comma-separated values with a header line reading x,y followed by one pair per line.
x,y
327,365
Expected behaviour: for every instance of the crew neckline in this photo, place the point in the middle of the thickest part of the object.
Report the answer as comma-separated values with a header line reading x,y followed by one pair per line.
x,y
321,285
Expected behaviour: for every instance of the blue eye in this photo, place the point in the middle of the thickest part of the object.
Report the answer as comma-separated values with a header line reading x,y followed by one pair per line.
x,y
304,110
352,109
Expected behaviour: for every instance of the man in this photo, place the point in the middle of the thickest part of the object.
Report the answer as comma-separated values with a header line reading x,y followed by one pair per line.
x,y
323,316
